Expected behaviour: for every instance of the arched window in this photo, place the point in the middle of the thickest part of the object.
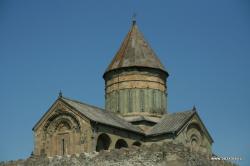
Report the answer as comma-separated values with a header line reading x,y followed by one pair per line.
x,y
103,142
136,143
63,126
63,146
121,144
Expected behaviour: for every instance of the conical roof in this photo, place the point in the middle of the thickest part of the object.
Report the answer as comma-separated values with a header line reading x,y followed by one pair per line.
x,y
135,52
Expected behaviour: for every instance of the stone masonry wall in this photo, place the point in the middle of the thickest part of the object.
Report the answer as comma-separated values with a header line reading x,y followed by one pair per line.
x,y
157,154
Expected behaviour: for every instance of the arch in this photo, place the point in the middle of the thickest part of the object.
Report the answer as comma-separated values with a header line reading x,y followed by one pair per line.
x,y
54,121
194,140
59,132
121,143
194,125
63,124
195,135
136,143
103,142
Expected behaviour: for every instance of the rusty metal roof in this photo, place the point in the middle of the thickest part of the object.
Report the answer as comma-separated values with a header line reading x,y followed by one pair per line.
x,y
135,52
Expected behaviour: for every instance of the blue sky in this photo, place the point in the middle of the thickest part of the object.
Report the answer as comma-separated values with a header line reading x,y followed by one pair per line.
x,y
49,45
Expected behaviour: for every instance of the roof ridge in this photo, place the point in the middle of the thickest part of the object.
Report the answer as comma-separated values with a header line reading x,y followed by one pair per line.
x,y
77,101
122,49
191,110
126,44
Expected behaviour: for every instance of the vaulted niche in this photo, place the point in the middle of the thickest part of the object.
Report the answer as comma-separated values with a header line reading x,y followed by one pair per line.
x,y
103,142
136,143
121,143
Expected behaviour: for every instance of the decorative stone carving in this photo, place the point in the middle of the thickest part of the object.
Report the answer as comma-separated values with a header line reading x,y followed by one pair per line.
x,y
61,117
194,136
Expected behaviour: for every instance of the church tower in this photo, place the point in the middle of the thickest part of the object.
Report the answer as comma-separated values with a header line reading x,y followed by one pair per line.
x,y
135,80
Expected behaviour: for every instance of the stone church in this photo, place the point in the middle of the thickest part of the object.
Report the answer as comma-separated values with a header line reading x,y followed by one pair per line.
x,y
135,110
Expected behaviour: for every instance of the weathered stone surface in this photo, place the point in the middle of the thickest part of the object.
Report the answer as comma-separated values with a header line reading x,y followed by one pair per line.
x,y
136,112
157,154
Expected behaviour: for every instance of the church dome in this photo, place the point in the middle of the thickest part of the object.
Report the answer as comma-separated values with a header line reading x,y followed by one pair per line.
x,y
135,80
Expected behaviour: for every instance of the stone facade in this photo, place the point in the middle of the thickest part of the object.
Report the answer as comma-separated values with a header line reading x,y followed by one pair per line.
x,y
62,132
136,91
135,111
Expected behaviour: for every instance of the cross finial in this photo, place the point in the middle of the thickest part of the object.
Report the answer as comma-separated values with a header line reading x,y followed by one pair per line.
x,y
60,94
134,19
194,108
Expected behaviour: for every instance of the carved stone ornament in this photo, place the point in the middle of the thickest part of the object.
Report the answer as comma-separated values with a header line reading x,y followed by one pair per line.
x,y
61,120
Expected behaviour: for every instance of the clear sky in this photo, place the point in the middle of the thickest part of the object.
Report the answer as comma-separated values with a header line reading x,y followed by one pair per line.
x,y
50,45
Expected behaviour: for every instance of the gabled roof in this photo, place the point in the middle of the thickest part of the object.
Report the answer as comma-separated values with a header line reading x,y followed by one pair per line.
x,y
168,124
171,123
135,52
100,115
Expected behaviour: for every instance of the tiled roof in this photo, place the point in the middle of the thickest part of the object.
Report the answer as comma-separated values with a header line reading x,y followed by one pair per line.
x,y
101,116
135,51
171,123
168,123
